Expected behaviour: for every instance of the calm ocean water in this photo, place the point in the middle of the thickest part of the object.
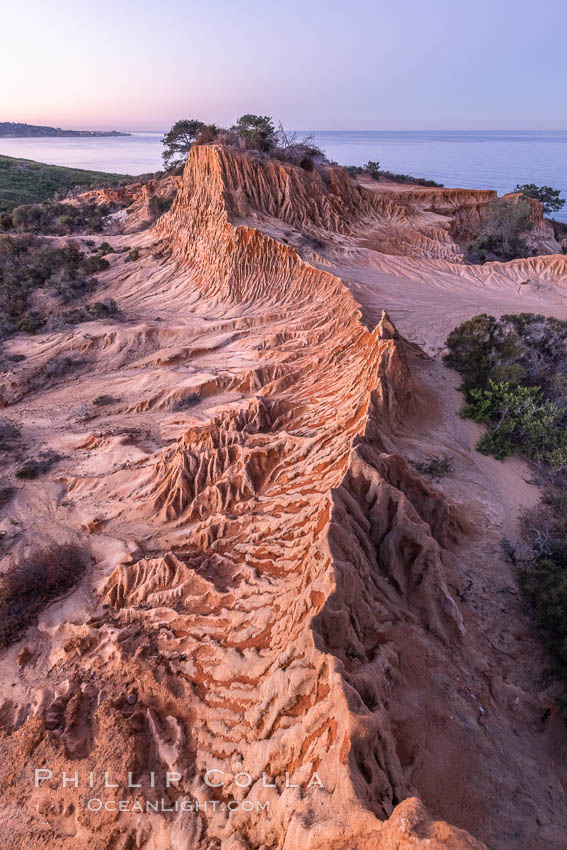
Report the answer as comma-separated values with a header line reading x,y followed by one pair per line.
x,y
472,160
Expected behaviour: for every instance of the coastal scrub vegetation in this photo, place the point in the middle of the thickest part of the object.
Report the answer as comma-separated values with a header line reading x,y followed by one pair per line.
x,y
29,264
259,133
436,467
158,205
525,349
373,169
514,372
57,219
518,417
550,198
502,231
10,435
559,231
508,221
34,467
23,181
30,585
250,132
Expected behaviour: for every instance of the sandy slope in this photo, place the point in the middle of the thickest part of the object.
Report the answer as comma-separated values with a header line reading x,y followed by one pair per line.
x,y
272,581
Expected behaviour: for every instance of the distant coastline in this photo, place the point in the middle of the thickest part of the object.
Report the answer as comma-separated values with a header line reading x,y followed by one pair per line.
x,y
15,130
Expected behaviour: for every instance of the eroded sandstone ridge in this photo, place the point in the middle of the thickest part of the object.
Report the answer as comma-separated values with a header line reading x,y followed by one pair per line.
x,y
276,596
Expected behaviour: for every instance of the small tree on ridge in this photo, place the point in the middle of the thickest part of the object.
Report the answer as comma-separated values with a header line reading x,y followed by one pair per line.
x,y
257,131
549,197
179,140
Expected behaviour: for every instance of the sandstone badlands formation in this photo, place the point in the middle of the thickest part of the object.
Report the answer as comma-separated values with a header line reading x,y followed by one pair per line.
x,y
275,594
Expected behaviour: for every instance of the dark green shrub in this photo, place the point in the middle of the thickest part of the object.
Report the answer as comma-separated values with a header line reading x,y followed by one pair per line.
x,y
436,467
543,584
29,586
159,206
187,401
75,315
6,495
526,349
71,288
28,263
62,364
101,400
103,309
559,229
479,347
10,435
93,264
106,309
544,525
207,134
31,322
527,416
257,132
104,248
501,232
59,219
373,170
519,419
34,468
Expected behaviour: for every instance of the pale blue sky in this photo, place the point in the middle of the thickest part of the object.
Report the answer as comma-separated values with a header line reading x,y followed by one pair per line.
x,y
390,64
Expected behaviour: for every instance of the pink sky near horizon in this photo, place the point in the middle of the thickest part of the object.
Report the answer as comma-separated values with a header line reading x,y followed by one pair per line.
x,y
313,64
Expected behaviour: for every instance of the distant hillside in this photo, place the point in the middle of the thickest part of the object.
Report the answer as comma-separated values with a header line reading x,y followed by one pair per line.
x,y
14,129
23,181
